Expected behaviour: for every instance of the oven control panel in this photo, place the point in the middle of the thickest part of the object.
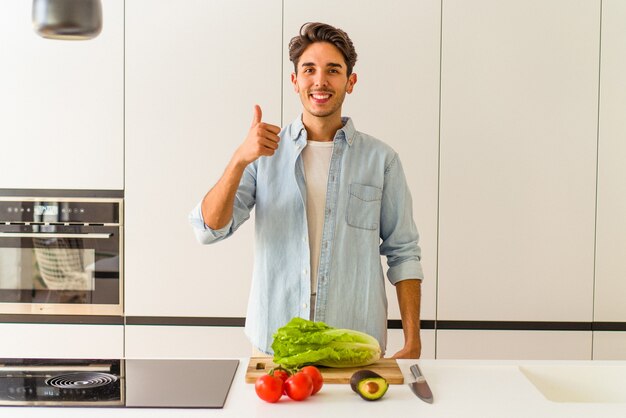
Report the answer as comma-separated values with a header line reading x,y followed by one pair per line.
x,y
103,211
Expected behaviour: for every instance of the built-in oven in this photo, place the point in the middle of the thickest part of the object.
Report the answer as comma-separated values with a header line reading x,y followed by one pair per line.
x,y
61,256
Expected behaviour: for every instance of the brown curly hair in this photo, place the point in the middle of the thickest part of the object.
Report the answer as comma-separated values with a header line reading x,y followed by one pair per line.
x,y
312,32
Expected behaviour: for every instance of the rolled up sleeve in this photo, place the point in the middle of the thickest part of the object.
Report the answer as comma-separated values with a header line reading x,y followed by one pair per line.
x,y
205,234
397,229
244,202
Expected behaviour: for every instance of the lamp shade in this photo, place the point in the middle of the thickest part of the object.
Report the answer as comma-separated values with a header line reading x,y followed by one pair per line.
x,y
67,19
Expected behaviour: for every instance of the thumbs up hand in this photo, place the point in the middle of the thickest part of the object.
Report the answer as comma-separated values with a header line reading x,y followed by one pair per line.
x,y
262,139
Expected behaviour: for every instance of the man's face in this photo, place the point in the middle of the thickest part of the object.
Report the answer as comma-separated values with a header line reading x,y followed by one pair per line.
x,y
322,81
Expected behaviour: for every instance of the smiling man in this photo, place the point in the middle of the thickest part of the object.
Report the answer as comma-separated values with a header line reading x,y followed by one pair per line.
x,y
329,201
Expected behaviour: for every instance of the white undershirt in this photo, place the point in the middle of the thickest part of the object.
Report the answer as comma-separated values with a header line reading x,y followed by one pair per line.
x,y
316,158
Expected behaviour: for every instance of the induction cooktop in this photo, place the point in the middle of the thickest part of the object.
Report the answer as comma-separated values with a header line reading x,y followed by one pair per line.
x,y
132,383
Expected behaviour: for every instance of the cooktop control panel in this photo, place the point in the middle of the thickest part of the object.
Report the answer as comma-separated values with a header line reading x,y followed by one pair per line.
x,y
116,383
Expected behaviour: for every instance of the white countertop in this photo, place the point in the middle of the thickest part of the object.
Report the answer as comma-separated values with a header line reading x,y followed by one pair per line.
x,y
461,388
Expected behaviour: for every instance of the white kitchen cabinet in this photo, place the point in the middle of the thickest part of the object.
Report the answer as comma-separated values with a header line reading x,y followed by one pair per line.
x,y
519,105
61,104
194,71
610,286
149,341
61,341
609,345
514,345
396,98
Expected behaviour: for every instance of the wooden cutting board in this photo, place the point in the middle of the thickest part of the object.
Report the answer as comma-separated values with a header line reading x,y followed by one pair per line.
x,y
387,368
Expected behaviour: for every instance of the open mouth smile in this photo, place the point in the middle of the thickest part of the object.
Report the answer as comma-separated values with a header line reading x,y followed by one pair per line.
x,y
320,97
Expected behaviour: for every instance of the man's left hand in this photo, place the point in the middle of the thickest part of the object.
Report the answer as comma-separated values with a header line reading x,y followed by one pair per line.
x,y
409,297
411,352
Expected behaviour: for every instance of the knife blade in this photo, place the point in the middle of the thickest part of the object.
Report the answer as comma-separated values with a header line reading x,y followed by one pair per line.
x,y
420,387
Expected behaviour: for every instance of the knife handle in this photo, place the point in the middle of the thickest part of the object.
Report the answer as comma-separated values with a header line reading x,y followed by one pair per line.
x,y
416,371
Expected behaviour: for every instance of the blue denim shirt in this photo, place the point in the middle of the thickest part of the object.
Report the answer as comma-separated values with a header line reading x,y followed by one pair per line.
x,y
368,214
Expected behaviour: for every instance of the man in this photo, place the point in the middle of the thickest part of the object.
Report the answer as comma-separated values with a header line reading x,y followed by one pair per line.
x,y
329,201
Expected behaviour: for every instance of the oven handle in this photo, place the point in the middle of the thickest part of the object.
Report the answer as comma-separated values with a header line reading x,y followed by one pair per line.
x,y
52,235
25,368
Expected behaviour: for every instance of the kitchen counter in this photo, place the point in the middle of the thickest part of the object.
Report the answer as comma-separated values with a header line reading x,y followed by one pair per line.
x,y
461,388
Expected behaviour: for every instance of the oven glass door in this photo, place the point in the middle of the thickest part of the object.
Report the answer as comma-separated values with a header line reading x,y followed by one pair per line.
x,y
60,264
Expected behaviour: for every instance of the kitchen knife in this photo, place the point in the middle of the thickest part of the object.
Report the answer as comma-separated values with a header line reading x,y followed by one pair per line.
x,y
420,386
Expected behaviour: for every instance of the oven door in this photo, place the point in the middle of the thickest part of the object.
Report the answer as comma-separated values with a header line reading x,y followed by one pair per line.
x,y
60,269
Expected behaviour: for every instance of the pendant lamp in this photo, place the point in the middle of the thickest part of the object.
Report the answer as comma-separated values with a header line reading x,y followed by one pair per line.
x,y
67,19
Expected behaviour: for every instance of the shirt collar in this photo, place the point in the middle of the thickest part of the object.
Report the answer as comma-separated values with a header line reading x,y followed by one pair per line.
x,y
347,132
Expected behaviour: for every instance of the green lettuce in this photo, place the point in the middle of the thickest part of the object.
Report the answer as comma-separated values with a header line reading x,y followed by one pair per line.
x,y
303,342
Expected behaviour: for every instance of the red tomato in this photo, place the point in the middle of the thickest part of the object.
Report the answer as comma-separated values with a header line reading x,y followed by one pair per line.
x,y
316,377
281,374
299,386
269,388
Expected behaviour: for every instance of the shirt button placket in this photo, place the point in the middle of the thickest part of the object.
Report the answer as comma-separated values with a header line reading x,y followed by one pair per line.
x,y
320,304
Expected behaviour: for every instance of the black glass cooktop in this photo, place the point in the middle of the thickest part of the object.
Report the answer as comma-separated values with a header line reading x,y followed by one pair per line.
x,y
116,383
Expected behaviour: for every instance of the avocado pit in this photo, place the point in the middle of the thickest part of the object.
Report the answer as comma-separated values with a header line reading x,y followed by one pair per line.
x,y
371,387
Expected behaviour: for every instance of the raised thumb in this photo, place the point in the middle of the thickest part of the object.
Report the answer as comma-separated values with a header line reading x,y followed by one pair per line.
x,y
257,115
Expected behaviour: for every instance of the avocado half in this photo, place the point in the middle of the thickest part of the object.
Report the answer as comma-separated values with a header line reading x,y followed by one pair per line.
x,y
369,385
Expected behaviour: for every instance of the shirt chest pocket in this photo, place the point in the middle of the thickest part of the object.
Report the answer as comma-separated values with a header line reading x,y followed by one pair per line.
x,y
364,206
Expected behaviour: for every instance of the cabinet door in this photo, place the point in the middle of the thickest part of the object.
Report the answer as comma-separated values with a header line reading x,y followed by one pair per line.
x,y
150,341
609,345
395,99
61,341
61,104
514,345
518,159
611,233
185,342
194,72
